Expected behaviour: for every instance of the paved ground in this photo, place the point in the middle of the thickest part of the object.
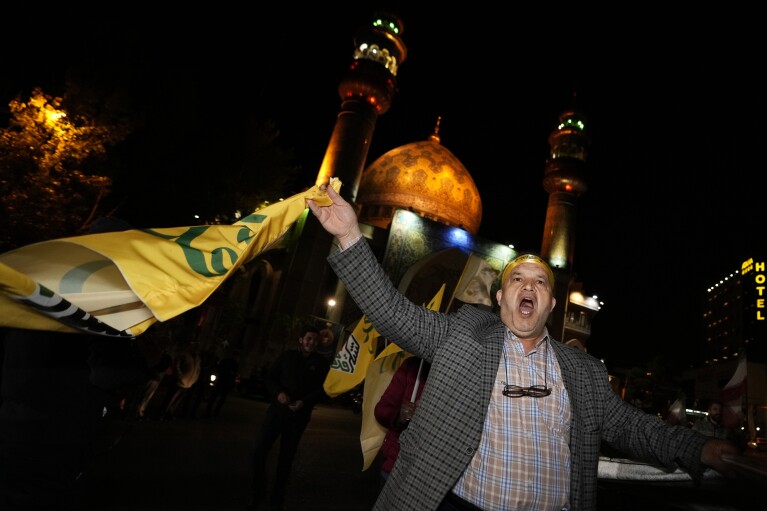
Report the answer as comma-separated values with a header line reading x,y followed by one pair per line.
x,y
202,464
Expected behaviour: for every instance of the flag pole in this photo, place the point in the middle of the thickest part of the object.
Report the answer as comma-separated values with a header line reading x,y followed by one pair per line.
x,y
417,381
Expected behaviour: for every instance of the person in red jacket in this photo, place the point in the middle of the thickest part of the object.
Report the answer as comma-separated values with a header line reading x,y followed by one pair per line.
x,y
396,406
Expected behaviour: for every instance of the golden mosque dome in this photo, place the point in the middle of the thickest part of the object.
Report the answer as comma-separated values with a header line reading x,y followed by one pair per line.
x,y
422,177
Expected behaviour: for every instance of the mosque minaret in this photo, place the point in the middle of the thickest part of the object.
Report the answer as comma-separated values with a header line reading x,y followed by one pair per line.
x,y
366,92
564,180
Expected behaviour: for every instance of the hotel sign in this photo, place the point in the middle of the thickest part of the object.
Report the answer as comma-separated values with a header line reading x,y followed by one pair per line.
x,y
749,266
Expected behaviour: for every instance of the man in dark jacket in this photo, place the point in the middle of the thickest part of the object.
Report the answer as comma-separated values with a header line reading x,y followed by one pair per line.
x,y
295,383
227,370
510,417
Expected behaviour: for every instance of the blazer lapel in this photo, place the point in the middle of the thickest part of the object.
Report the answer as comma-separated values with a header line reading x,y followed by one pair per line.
x,y
490,361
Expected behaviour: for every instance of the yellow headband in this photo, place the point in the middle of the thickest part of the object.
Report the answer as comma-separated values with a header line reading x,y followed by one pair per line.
x,y
528,258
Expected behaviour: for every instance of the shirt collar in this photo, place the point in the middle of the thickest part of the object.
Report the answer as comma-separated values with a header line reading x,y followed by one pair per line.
x,y
544,337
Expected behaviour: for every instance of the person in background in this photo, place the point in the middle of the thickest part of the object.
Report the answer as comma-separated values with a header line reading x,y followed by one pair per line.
x,y
510,417
396,406
198,391
295,381
227,370
327,347
186,372
711,424
160,369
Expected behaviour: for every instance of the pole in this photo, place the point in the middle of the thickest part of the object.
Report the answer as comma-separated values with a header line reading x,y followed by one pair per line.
x,y
417,381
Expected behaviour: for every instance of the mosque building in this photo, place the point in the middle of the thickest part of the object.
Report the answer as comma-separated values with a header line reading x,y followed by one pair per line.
x,y
420,209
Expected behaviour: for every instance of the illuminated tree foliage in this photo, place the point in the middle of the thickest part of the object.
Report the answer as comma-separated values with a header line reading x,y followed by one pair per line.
x,y
45,190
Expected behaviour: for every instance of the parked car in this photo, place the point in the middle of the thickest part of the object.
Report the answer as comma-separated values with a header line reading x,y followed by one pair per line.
x,y
758,443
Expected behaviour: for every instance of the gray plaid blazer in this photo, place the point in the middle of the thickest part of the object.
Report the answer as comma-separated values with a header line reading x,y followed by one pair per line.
x,y
464,349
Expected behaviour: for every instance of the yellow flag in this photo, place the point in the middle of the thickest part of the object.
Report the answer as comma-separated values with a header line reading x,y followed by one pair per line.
x,y
475,283
120,283
352,361
379,375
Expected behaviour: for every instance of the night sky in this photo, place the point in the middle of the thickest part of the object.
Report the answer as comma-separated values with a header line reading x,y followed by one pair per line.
x,y
676,108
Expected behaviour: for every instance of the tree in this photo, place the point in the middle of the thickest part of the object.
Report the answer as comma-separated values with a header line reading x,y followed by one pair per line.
x,y
46,189
66,161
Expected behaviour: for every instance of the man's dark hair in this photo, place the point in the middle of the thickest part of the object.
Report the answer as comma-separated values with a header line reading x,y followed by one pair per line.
x,y
706,403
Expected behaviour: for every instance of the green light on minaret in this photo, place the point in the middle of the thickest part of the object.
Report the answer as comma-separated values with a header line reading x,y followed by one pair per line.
x,y
386,25
572,122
